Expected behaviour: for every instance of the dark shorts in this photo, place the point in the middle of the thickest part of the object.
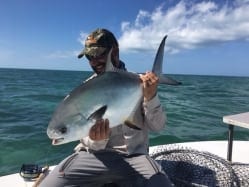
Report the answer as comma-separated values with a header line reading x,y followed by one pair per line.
x,y
104,167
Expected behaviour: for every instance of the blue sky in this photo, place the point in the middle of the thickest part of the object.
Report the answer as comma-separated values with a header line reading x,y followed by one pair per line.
x,y
204,37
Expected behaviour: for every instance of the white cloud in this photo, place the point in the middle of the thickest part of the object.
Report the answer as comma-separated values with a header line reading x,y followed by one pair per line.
x,y
187,26
82,38
68,54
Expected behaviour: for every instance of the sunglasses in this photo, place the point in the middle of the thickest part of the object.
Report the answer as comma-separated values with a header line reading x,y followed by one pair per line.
x,y
90,58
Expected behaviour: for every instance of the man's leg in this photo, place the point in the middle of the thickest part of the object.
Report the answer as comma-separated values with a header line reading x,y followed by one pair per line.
x,y
96,169
152,173
79,169
91,169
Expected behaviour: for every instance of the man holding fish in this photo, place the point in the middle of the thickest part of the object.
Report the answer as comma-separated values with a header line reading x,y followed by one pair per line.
x,y
112,155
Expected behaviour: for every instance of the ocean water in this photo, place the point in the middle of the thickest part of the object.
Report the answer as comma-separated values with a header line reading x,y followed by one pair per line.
x,y
29,97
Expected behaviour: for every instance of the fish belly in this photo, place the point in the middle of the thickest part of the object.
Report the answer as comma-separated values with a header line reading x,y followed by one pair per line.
x,y
120,92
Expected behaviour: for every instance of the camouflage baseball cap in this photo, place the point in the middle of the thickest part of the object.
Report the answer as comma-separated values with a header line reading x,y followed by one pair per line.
x,y
98,42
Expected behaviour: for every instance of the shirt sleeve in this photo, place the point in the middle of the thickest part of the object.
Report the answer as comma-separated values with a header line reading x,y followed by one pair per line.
x,y
155,117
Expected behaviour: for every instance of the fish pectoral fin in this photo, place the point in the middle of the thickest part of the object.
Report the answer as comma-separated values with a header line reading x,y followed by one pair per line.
x,y
131,125
98,114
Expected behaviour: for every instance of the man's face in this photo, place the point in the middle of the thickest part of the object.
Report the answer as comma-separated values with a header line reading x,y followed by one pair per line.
x,y
98,63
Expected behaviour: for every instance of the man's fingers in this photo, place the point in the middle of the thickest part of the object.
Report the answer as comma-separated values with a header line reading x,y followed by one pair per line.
x,y
100,130
107,129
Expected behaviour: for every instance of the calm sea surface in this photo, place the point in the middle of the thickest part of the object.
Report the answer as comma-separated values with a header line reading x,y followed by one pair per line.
x,y
29,97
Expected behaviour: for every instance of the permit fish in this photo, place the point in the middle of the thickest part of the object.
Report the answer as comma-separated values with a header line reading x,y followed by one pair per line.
x,y
115,95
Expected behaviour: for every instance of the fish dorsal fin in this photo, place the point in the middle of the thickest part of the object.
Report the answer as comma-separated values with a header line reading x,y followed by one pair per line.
x,y
109,66
158,62
98,114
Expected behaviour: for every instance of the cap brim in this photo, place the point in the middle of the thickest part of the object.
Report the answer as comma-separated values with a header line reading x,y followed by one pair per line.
x,y
92,51
82,53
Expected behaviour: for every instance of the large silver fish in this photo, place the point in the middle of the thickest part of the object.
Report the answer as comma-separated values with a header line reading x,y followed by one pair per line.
x,y
113,95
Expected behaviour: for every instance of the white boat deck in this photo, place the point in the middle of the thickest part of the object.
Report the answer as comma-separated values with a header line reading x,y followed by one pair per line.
x,y
219,148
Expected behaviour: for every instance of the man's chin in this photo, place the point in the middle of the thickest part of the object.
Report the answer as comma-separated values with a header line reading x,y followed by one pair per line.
x,y
98,71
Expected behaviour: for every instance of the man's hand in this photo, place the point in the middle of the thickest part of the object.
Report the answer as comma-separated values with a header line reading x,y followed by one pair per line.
x,y
100,130
150,81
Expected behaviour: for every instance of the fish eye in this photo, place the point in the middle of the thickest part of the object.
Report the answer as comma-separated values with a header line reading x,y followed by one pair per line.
x,y
63,130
